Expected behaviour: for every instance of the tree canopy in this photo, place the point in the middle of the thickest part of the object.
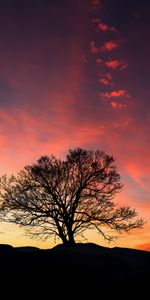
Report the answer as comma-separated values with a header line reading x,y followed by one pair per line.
x,y
64,198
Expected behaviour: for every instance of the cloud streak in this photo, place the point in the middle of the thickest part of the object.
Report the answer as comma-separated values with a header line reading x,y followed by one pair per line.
x,y
105,79
115,104
104,27
115,64
109,46
115,94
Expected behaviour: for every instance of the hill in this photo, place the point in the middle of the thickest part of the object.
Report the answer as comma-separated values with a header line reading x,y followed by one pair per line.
x,y
87,266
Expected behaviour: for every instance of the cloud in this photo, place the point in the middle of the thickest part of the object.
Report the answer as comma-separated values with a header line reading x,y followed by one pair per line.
x,y
105,79
106,47
115,94
115,64
104,27
115,104
109,46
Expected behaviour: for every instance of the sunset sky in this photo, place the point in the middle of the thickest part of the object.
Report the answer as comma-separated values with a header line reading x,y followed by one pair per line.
x,y
76,73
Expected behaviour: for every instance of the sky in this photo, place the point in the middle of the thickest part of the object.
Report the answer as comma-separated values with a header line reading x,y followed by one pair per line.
x,y
77,74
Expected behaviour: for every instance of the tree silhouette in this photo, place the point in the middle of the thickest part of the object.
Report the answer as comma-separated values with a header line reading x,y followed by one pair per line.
x,y
63,198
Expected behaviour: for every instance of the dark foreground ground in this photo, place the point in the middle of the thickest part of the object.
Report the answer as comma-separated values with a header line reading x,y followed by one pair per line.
x,y
86,268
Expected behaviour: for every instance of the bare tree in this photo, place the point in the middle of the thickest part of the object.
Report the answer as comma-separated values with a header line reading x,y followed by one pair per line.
x,y
65,198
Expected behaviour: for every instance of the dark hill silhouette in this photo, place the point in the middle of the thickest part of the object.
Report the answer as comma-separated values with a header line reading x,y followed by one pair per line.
x,y
85,266
27,249
4,248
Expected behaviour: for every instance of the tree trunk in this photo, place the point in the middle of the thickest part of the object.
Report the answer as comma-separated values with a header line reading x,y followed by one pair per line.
x,y
61,233
64,240
71,241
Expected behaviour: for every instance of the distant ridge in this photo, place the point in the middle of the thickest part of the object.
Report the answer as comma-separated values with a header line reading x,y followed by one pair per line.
x,y
9,248
6,248
27,249
90,248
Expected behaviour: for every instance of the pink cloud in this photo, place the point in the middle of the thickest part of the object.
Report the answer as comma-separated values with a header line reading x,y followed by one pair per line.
x,y
115,64
109,46
104,27
105,79
115,104
115,94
